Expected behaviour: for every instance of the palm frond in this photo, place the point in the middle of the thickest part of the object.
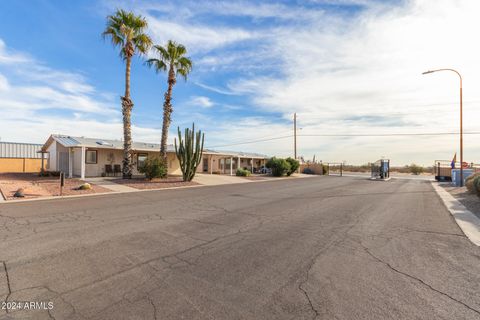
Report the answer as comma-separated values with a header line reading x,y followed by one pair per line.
x,y
125,28
172,55
157,64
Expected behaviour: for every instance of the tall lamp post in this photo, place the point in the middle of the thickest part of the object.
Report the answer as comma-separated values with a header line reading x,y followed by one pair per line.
x,y
461,119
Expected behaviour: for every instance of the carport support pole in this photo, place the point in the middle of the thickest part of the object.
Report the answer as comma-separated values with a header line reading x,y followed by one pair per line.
x,y
252,165
82,165
70,163
231,166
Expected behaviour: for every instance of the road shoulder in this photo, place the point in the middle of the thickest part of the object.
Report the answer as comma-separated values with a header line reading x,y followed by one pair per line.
x,y
466,220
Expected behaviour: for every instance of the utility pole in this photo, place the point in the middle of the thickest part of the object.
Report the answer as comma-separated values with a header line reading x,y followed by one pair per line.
x,y
295,135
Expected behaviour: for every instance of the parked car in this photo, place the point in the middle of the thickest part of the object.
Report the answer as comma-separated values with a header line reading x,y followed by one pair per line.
x,y
264,170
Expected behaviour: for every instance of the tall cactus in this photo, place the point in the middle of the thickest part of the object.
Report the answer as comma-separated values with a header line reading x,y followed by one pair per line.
x,y
189,152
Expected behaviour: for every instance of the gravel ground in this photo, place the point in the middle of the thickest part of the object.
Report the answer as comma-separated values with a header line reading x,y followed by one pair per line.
x,y
36,186
469,200
142,183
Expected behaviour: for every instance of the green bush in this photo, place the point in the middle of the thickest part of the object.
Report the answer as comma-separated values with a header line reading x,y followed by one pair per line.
x,y
324,169
476,185
243,172
154,168
278,166
415,169
294,165
469,182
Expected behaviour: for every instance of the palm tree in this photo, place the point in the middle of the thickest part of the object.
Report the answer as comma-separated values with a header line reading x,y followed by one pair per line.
x,y
127,31
172,57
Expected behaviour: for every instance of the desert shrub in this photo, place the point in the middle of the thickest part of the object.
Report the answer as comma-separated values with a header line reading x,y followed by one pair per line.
x,y
324,169
415,169
294,164
278,166
469,182
476,185
154,168
242,172
308,171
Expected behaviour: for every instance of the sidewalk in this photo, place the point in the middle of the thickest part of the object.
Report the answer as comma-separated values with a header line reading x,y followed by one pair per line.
x,y
465,219
109,184
217,179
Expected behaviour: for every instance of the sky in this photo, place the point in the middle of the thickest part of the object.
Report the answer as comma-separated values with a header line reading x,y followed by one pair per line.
x,y
350,69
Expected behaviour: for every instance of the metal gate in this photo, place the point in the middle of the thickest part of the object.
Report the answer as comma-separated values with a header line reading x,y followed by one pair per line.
x,y
335,169
381,169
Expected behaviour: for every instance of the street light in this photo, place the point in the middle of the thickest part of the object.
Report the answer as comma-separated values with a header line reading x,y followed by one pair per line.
x,y
461,118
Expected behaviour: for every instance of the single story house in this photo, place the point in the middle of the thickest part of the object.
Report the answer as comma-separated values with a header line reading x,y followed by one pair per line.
x,y
88,157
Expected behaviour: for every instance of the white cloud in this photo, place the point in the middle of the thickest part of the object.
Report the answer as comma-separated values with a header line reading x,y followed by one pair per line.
x,y
371,66
203,102
3,83
37,100
196,37
11,57
215,89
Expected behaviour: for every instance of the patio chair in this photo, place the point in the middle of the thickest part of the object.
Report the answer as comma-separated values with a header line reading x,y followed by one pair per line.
x,y
116,169
108,169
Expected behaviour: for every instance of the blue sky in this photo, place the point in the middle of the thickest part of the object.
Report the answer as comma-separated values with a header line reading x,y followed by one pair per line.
x,y
345,66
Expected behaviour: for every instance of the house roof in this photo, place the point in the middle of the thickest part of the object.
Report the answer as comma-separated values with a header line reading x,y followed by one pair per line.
x,y
71,142
75,142
20,150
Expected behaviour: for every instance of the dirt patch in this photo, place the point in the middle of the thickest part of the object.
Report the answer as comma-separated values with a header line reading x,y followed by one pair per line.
x,y
469,200
36,187
142,183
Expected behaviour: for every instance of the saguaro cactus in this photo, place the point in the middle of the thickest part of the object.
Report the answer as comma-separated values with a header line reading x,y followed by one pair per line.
x,y
189,152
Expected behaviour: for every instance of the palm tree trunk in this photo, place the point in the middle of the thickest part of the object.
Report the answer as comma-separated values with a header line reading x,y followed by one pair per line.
x,y
127,106
167,112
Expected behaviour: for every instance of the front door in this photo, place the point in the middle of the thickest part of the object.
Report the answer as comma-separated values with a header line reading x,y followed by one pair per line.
x,y
205,164
63,162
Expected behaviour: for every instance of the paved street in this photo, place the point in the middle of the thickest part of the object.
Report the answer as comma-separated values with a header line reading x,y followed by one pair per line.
x,y
318,248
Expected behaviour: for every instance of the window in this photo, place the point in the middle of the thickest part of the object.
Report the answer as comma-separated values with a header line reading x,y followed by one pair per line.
x,y
91,156
141,157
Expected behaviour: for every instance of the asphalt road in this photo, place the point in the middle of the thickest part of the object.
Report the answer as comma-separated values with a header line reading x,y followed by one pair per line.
x,y
316,248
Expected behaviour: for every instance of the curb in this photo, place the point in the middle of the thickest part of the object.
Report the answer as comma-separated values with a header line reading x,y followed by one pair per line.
x,y
465,219
131,191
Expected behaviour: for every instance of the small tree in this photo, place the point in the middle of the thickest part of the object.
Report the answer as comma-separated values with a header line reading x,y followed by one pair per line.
x,y
294,165
189,152
154,168
279,166
415,169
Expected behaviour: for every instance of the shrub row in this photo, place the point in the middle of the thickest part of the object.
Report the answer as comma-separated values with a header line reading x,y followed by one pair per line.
x,y
280,166
243,172
473,183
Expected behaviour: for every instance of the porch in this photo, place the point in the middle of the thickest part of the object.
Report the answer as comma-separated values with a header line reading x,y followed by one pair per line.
x,y
228,164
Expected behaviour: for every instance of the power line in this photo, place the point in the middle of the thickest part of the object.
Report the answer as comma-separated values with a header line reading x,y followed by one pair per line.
x,y
387,134
251,141
347,135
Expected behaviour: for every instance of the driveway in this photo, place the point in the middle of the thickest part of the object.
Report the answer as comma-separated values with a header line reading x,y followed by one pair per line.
x,y
217,179
318,248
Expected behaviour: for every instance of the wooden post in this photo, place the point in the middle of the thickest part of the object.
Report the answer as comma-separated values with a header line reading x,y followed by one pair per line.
x,y
62,182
